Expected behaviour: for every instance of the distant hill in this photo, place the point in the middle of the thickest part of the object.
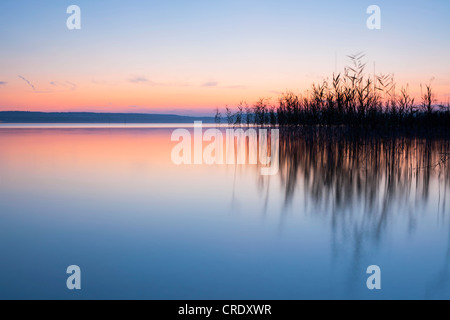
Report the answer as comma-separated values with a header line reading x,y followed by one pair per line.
x,y
92,117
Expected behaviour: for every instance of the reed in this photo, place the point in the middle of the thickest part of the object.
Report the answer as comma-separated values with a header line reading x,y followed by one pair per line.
x,y
351,99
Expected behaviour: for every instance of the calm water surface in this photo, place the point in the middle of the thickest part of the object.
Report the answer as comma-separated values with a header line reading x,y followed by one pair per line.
x,y
111,201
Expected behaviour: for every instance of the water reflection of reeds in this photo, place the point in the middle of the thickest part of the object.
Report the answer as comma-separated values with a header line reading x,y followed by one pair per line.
x,y
366,186
359,181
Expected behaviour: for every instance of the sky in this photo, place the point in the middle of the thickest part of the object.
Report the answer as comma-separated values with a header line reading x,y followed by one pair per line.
x,y
189,57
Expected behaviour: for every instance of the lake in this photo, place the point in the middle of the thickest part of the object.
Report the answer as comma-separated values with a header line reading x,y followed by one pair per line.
x,y
110,199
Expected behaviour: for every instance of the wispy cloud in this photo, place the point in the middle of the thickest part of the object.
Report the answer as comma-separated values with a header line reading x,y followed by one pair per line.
x,y
141,79
237,86
275,92
138,79
72,85
65,84
210,84
2,83
144,80
28,82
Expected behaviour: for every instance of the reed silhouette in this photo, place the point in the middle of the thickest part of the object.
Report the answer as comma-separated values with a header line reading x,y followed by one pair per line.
x,y
351,99
361,155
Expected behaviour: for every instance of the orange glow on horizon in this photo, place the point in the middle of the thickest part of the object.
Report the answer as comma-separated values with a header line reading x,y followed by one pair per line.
x,y
142,98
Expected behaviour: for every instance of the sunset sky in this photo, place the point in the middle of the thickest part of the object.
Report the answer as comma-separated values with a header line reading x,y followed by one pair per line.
x,y
188,57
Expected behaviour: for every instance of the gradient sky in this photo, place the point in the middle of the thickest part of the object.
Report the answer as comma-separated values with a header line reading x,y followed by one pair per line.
x,y
188,57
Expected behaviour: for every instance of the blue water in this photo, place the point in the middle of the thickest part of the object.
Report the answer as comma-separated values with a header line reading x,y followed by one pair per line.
x,y
111,201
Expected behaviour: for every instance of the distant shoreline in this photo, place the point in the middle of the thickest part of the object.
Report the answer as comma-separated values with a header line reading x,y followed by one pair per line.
x,y
94,117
